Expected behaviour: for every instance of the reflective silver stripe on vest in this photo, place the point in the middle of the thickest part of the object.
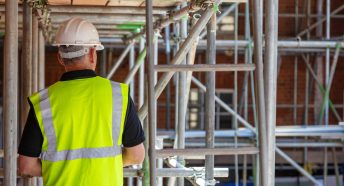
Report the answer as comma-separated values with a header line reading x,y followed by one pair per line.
x,y
116,111
82,153
47,119
52,155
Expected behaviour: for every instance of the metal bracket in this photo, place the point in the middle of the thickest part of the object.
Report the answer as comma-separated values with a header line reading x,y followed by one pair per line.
x,y
211,182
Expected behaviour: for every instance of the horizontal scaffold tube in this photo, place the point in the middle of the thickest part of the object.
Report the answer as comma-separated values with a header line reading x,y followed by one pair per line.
x,y
176,172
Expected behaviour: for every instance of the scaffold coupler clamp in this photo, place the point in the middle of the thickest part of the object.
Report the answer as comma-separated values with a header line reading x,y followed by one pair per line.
x,y
211,182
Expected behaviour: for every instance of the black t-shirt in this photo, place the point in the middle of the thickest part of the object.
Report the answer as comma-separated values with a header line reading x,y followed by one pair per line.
x,y
32,138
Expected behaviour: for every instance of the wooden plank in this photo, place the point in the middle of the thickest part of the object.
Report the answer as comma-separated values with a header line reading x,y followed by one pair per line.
x,y
137,3
59,2
156,3
90,2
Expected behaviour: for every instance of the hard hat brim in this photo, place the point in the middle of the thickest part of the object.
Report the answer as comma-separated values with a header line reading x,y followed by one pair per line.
x,y
97,46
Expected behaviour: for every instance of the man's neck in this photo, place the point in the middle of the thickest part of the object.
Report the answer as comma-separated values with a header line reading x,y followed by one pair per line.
x,y
78,67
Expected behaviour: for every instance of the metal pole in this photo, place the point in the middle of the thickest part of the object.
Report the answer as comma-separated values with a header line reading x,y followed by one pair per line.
x,y
151,97
141,75
244,90
205,67
139,61
131,65
26,60
255,158
235,95
244,170
160,161
145,165
34,53
259,78
156,47
109,60
181,99
184,49
35,66
176,31
327,67
319,66
271,38
190,173
207,151
41,60
26,68
248,58
307,91
295,90
10,93
168,87
286,45
296,66
120,60
210,99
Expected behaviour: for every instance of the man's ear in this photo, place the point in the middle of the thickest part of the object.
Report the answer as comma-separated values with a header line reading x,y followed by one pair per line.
x,y
93,55
59,59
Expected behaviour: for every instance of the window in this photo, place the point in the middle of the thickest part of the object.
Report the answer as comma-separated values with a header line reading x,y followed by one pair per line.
x,y
196,109
223,120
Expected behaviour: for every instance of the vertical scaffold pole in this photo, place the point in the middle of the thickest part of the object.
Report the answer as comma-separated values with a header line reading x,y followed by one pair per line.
x,y
210,98
141,93
35,68
307,87
41,75
181,99
271,36
235,95
41,60
26,67
10,93
34,53
141,76
151,95
319,66
259,83
327,74
131,65
168,87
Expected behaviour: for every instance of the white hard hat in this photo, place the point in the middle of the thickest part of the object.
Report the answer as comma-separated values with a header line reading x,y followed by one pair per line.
x,y
77,31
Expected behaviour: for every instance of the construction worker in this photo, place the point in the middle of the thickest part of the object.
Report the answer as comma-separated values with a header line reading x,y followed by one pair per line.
x,y
83,129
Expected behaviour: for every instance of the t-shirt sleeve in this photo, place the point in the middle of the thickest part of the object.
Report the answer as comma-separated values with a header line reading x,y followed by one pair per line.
x,y
133,133
32,138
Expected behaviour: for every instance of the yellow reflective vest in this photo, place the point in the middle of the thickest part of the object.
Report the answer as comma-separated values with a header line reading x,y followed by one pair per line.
x,y
82,123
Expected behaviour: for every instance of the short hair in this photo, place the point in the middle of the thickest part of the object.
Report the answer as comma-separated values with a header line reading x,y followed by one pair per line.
x,y
71,48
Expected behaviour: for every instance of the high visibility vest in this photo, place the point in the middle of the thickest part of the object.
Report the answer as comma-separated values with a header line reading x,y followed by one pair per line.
x,y
82,124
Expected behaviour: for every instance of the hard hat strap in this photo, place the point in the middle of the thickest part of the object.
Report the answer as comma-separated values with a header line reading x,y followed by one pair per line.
x,y
71,55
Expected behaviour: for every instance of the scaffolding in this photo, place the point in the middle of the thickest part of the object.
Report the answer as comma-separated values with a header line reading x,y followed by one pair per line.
x,y
167,151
